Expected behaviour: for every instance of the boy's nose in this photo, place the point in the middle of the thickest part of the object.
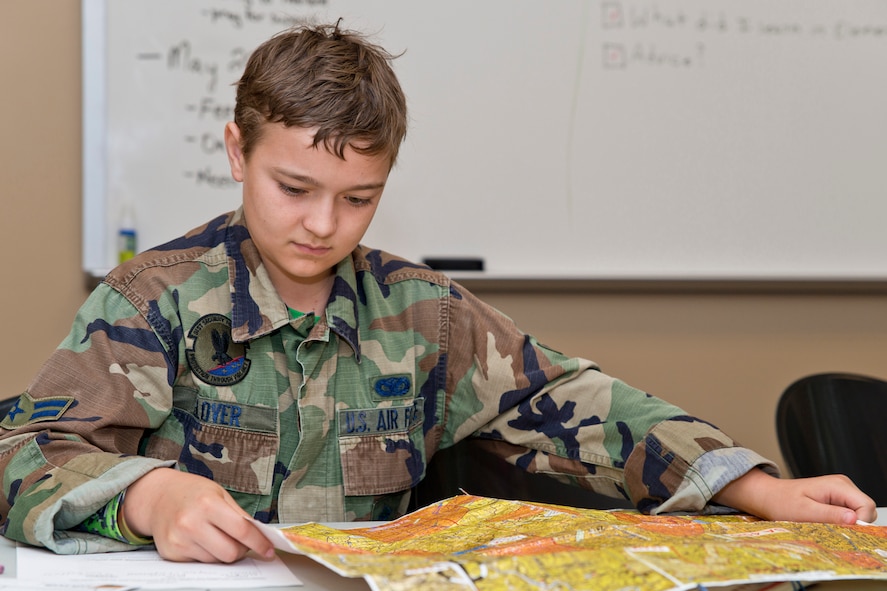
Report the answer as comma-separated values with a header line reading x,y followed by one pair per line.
x,y
321,220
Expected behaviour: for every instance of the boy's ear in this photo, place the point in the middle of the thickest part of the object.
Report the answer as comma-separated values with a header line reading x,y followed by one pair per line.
x,y
235,153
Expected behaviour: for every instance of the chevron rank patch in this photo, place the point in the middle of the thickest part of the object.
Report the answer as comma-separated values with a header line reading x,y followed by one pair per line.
x,y
28,410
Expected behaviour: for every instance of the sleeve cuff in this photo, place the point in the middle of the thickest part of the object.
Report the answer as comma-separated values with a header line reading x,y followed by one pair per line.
x,y
709,474
52,527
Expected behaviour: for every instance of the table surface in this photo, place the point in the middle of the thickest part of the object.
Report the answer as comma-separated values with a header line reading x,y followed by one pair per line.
x,y
316,577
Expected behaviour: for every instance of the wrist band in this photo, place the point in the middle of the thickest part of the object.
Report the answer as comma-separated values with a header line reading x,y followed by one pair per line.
x,y
124,530
108,522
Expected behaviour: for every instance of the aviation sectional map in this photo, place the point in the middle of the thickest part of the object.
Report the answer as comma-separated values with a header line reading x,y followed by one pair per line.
x,y
470,542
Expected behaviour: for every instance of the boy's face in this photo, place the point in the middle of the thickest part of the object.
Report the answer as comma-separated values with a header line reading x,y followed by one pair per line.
x,y
306,208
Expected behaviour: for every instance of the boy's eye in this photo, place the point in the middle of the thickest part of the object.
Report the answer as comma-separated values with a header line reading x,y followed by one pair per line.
x,y
358,201
286,189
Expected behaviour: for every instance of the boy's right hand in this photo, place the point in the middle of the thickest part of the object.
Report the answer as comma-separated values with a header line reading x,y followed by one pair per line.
x,y
191,518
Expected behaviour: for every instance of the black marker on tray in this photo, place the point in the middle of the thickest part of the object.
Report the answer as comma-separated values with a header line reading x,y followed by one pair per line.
x,y
454,263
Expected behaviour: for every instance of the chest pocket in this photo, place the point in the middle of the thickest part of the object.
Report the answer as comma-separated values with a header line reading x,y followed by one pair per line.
x,y
382,450
233,444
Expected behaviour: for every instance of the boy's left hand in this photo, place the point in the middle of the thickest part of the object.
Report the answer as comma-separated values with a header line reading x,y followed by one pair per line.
x,y
822,499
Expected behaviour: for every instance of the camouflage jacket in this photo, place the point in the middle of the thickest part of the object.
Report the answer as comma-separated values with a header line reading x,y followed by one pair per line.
x,y
186,356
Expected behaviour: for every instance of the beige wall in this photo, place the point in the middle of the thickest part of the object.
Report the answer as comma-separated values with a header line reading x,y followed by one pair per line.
x,y
723,356
39,182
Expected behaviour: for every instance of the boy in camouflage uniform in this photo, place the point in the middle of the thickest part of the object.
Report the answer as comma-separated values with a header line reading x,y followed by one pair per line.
x,y
268,365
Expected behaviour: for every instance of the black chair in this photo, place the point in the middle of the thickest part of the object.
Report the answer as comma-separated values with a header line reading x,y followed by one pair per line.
x,y
6,406
469,466
836,423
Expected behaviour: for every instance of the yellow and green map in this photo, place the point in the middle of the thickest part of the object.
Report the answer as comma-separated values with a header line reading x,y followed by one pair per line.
x,y
470,542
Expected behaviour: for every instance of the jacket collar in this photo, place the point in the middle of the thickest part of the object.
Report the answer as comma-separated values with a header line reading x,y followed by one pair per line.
x,y
257,309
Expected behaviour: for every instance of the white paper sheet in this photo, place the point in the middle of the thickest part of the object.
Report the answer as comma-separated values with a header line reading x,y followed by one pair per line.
x,y
275,536
144,569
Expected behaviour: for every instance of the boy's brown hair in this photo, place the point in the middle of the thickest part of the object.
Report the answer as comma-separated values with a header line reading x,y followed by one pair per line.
x,y
320,76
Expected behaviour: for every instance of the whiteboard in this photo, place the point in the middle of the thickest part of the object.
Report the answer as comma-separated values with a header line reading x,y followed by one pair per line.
x,y
682,139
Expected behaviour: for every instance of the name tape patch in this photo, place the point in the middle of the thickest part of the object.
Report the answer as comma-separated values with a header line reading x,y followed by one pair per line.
x,y
374,421
225,413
